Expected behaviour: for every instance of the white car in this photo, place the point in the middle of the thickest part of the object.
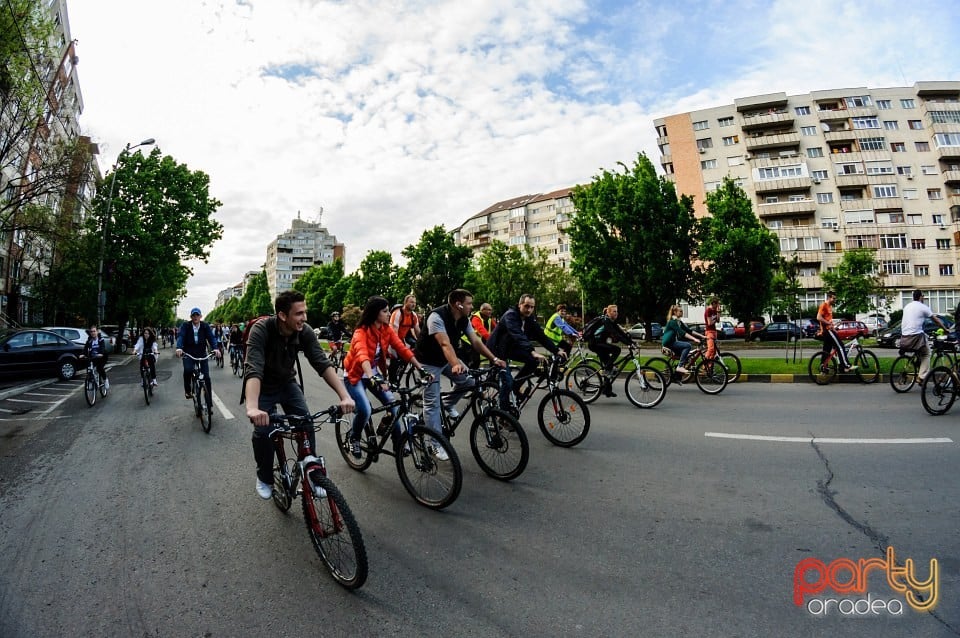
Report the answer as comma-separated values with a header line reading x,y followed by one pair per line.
x,y
76,335
875,324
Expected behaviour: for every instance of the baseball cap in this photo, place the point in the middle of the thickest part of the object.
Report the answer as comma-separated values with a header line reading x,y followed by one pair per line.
x,y
195,311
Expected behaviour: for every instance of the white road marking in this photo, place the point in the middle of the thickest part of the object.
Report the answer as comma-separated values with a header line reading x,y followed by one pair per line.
x,y
222,407
808,439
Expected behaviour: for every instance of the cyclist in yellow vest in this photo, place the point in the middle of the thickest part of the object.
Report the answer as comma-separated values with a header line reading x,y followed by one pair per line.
x,y
483,323
557,328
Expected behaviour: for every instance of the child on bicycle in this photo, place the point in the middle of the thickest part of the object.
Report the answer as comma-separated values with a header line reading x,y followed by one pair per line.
x,y
147,347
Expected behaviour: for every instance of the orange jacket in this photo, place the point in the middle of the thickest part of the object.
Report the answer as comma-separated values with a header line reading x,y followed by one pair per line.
x,y
370,343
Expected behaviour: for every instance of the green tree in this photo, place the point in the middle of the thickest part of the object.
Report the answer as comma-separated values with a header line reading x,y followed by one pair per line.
x,y
501,274
632,240
858,282
785,289
741,255
256,299
435,266
316,285
375,276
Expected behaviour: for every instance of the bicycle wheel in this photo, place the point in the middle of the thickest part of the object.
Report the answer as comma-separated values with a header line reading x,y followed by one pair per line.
x,y
903,373
487,397
711,376
563,418
282,494
145,383
585,380
203,409
645,387
103,387
939,390
430,481
90,389
343,430
335,534
732,363
821,373
664,367
499,445
868,367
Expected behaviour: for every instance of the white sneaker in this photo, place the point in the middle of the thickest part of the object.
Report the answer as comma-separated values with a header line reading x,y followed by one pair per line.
x,y
682,370
154,383
439,453
106,384
264,491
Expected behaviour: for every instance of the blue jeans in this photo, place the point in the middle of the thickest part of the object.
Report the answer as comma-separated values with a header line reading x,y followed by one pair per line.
x,y
291,399
506,381
363,408
682,348
431,394
188,365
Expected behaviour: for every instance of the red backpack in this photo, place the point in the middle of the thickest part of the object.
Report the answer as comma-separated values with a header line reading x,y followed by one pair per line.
x,y
249,326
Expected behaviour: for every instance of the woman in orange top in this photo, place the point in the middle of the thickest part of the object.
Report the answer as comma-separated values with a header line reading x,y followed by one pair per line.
x,y
367,361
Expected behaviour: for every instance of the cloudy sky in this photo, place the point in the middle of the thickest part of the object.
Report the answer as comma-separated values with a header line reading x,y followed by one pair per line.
x,y
398,115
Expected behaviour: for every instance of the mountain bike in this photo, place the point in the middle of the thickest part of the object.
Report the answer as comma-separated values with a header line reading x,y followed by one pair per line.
x,y
93,384
236,360
939,389
580,353
563,417
337,353
202,401
711,375
432,482
219,358
146,383
332,528
823,372
645,386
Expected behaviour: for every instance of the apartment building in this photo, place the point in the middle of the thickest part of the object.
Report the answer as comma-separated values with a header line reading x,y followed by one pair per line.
x,y
296,250
835,170
538,221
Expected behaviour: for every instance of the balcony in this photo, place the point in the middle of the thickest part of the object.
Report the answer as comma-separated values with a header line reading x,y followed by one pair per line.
x,y
807,206
752,121
784,184
663,141
839,136
886,202
810,281
827,115
852,179
948,152
856,204
950,177
772,141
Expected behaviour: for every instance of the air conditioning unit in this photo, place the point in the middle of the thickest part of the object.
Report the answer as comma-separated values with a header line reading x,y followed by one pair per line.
x,y
747,156
909,176
703,150
816,180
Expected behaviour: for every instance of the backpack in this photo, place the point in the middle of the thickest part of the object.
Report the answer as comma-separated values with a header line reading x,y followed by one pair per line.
x,y
592,329
246,337
248,327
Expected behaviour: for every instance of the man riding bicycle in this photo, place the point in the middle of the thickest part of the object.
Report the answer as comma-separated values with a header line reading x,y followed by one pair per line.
x,y
831,340
96,349
193,339
236,342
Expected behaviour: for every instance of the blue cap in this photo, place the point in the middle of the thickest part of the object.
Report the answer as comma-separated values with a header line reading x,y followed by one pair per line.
x,y
195,311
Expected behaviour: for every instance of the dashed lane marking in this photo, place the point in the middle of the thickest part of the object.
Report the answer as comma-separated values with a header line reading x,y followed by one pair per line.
x,y
822,439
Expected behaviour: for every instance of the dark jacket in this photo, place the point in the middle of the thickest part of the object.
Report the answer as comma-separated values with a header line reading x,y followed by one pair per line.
x,y
196,347
272,358
101,347
428,350
610,331
514,334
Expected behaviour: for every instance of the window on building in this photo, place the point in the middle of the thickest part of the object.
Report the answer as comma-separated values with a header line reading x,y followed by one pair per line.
x,y
898,147
937,218
916,220
704,143
771,199
934,193
895,266
897,240
921,270
858,101
907,104
946,139
884,104
918,244
862,241
831,246
816,151
829,222
725,121
801,110
946,269
922,147
891,125
928,170
731,140
797,198
872,144
701,125
943,244
904,170
891,217
820,174
866,122
885,190
945,117
824,198
808,130
736,160
859,217
879,168
710,163
910,193
915,125
774,224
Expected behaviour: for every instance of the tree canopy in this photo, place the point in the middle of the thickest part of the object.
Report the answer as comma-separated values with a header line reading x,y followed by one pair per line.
x,y
435,266
857,282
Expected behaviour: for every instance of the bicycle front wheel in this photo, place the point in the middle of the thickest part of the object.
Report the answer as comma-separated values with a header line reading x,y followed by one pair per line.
x,y
939,390
90,389
343,430
145,383
662,366
645,387
499,445
868,367
903,373
821,373
563,418
203,409
732,363
429,468
335,534
585,380
711,376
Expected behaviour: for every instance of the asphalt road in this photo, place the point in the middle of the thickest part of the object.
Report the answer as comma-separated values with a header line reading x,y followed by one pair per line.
x,y
127,520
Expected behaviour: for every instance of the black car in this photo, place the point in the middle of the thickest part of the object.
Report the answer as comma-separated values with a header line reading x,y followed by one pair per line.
x,y
32,352
777,331
810,327
888,338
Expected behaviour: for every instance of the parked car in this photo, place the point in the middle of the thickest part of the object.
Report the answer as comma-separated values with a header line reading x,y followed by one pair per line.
x,y
875,324
889,337
76,335
850,329
777,331
809,327
322,332
726,330
639,331
754,326
31,352
697,327
111,332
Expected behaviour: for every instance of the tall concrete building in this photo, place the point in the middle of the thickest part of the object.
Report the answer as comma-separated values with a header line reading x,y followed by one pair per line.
x,y
296,250
539,221
835,170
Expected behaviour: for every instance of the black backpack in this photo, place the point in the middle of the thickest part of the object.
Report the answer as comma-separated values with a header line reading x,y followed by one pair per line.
x,y
592,329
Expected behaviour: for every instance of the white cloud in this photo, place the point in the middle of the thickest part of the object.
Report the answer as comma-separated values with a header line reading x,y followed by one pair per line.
x,y
397,116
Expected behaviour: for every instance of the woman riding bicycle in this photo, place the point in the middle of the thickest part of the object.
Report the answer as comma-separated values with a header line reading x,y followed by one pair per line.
x,y
673,337
147,347
369,345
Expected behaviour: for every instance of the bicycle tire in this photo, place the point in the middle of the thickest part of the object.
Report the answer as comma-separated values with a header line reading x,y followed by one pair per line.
x,y
342,429
335,534
868,366
903,373
734,367
664,367
282,494
585,380
821,375
943,359
432,483
645,387
203,413
499,445
488,396
145,382
939,390
711,376
563,417
103,388
90,389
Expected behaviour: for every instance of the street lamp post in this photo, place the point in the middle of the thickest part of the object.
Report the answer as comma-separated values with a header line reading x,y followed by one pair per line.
x,y
101,302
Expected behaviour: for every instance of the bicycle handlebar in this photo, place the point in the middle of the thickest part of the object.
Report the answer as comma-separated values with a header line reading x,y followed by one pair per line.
x,y
210,354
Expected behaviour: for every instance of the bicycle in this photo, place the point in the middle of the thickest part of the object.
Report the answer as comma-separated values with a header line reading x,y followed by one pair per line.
x,y
711,375
904,372
337,353
563,417
432,482
497,439
644,386
579,353
93,384
202,401
332,528
145,381
219,358
867,365
236,360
